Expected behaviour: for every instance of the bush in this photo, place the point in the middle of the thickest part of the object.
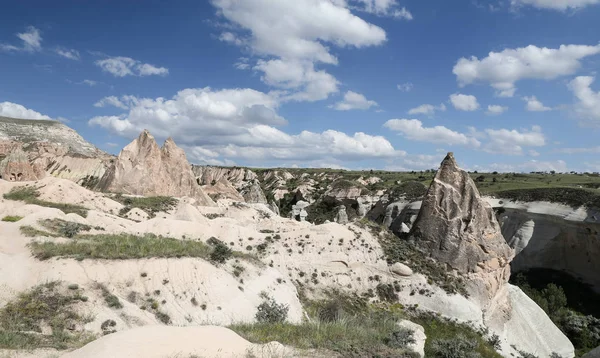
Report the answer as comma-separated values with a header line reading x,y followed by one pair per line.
x,y
221,252
457,347
150,204
270,311
386,292
12,219
400,338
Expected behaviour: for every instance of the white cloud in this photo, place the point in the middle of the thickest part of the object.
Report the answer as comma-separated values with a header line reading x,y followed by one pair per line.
x,y
534,105
385,8
413,129
111,101
125,66
511,142
296,36
32,41
14,110
299,78
495,109
223,125
587,106
89,83
533,153
464,102
353,100
427,109
503,69
560,5
405,87
66,53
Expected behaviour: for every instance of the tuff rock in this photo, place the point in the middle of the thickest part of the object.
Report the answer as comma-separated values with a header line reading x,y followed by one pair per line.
x,y
143,168
16,167
341,217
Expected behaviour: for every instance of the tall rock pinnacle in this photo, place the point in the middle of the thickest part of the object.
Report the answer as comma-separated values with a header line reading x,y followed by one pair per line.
x,y
142,168
455,226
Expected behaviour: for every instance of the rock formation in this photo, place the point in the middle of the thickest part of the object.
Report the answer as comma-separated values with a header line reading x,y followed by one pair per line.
x,y
142,168
254,194
298,211
455,226
16,167
341,217
222,189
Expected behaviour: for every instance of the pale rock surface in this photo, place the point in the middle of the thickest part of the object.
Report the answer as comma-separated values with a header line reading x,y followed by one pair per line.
x,y
162,342
458,228
222,188
401,269
274,208
418,335
254,194
238,177
137,214
341,217
592,354
142,168
298,211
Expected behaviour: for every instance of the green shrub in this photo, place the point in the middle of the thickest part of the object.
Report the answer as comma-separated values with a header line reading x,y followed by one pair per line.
x,y
386,292
12,219
221,252
457,347
400,338
270,311
150,204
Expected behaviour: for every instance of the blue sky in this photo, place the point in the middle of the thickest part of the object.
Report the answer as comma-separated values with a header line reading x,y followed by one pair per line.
x,y
387,84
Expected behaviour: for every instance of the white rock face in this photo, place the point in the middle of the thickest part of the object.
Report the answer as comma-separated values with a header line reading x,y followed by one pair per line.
x,y
341,217
418,335
298,211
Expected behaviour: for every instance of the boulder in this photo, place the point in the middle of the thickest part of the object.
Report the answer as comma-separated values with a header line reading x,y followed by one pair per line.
x,y
592,354
16,167
143,168
341,217
418,335
401,269
455,226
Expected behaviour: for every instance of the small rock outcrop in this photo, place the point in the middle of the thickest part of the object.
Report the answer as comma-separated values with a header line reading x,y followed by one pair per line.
x,y
401,269
455,226
16,167
254,194
143,168
341,217
298,211
418,346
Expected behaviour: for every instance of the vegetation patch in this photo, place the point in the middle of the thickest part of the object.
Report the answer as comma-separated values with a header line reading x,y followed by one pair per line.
x,y
573,197
150,204
30,195
11,218
44,316
64,228
126,246
30,231
571,304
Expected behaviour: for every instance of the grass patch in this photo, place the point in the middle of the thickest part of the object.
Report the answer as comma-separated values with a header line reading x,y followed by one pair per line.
x,y
573,197
125,246
30,195
50,305
30,231
11,218
64,228
150,204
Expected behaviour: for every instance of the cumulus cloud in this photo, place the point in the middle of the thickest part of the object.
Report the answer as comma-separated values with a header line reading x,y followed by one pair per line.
x,y
14,110
427,109
111,101
388,8
215,126
413,129
511,142
495,109
124,66
560,5
405,87
353,100
70,54
534,105
295,36
503,69
464,102
587,106
31,38
89,83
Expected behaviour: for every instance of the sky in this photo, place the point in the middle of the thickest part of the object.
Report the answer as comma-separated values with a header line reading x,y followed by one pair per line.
x,y
506,85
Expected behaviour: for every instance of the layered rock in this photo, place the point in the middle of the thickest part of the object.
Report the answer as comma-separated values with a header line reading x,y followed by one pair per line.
x,y
222,189
16,167
238,177
455,226
143,168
